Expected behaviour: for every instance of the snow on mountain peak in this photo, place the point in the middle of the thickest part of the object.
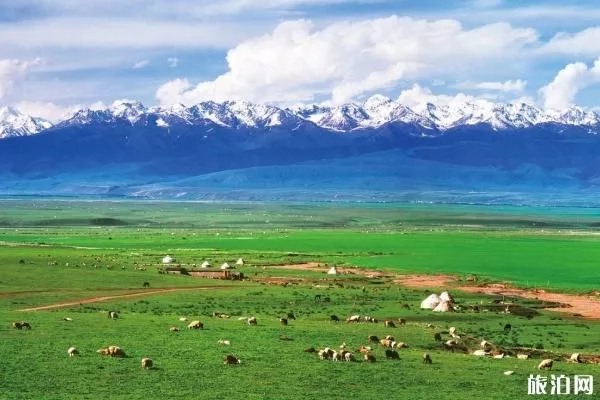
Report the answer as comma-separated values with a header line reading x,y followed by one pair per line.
x,y
374,112
15,123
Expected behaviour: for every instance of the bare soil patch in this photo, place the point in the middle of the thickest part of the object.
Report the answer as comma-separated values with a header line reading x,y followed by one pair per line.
x,y
586,306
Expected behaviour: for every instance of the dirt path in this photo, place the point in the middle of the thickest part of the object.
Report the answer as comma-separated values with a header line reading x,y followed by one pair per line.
x,y
121,296
584,305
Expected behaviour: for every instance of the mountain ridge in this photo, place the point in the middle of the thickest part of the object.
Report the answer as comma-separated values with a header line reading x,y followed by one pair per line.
x,y
374,112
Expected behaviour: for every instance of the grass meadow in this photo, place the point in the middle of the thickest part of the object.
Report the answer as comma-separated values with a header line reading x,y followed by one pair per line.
x,y
60,251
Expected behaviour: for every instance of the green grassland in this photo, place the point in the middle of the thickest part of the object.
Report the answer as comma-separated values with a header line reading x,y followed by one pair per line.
x,y
54,251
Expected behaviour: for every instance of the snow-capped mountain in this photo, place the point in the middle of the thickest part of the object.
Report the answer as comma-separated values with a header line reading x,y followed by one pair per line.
x,y
372,113
15,123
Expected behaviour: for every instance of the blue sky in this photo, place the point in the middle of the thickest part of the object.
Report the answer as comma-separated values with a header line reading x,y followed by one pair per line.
x,y
55,54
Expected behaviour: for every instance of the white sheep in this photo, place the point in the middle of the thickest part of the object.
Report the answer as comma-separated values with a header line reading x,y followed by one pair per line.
x,y
147,363
224,342
575,357
252,321
72,351
480,353
349,357
545,364
522,356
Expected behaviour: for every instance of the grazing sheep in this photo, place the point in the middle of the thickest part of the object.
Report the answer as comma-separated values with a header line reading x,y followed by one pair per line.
x,y
370,319
334,318
336,356
507,328
252,321
291,316
372,339
364,349
349,357
231,359
283,321
400,345
499,356
485,345
452,331
522,356
389,324
310,350
450,345
426,358
174,329
369,357
112,351
575,358
401,321
147,363
386,342
546,364
480,353
21,325
195,325
392,355
323,355
353,318
68,319
113,315
183,319
508,373
437,337
389,337
224,342
72,351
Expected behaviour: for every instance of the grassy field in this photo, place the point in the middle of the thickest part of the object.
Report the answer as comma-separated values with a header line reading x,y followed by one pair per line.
x,y
53,251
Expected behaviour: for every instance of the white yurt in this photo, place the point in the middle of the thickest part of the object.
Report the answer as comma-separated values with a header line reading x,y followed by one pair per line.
x,y
443,306
239,262
430,302
205,265
168,260
225,266
332,271
445,296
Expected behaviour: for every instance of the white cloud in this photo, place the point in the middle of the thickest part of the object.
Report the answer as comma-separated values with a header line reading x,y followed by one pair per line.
x,y
140,64
173,62
12,72
297,61
585,42
418,95
46,110
561,92
517,86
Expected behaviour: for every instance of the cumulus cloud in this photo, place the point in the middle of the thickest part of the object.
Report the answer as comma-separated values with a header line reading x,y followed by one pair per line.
x,y
561,92
140,64
516,86
172,62
45,110
418,95
298,61
12,72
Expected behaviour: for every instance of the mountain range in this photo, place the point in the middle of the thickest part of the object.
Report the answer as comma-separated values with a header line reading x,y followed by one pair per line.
x,y
375,112
376,149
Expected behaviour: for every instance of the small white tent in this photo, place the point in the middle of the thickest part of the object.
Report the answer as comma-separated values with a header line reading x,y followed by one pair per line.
x,y
445,296
168,260
430,302
239,262
444,306
205,265
332,271
225,266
